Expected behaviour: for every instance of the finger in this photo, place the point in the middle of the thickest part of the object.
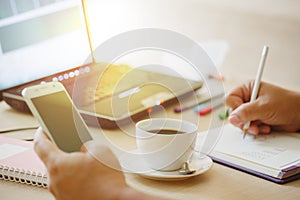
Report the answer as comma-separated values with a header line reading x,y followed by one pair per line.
x,y
249,112
44,148
256,127
233,101
253,129
264,129
236,121
239,95
102,153
259,129
83,148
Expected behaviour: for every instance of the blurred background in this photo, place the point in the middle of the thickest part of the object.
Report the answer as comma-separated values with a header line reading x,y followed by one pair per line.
x,y
232,31
241,28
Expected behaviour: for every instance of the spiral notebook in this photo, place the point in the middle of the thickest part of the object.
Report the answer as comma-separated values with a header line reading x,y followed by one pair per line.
x,y
19,163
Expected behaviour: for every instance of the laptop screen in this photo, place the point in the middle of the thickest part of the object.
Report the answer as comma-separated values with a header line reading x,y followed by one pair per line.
x,y
39,38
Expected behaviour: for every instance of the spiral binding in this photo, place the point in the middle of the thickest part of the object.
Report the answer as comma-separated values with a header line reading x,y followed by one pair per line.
x,y
22,176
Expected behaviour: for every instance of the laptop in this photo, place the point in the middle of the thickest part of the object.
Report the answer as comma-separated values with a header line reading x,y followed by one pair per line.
x,y
51,42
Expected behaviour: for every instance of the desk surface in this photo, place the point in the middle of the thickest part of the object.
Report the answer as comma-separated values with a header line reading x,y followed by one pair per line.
x,y
246,30
219,182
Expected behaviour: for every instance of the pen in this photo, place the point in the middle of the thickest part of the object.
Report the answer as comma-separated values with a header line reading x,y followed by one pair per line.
x,y
208,109
257,83
201,107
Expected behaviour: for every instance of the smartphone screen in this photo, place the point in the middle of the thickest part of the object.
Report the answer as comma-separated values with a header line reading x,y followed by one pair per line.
x,y
62,120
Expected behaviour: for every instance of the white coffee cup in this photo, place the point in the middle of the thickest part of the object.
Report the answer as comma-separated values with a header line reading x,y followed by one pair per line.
x,y
165,151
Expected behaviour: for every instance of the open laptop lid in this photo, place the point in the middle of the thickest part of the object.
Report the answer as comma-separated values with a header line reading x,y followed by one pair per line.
x,y
39,39
54,40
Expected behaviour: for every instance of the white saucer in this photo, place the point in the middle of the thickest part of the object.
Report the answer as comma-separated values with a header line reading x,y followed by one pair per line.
x,y
133,162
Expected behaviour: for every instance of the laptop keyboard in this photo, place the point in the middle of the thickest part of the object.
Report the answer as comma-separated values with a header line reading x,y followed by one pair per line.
x,y
82,83
102,86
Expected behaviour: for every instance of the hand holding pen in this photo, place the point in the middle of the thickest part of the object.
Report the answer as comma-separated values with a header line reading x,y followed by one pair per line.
x,y
274,109
257,83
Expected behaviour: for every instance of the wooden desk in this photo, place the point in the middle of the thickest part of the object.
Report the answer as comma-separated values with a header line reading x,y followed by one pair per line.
x,y
219,182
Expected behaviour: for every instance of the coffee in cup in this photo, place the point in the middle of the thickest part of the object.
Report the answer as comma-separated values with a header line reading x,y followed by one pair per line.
x,y
164,143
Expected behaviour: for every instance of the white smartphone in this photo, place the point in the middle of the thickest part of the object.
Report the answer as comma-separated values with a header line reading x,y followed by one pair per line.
x,y
52,106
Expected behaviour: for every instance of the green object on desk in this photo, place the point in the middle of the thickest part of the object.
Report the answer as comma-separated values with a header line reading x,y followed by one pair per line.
x,y
224,115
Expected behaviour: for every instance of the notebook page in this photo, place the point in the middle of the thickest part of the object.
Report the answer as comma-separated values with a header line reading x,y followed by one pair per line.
x,y
7,150
18,154
277,150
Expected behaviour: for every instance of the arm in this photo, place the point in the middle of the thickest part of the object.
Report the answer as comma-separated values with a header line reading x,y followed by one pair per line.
x,y
274,109
94,173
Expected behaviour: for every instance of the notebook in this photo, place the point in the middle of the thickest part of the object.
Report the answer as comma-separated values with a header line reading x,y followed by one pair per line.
x,y
61,51
19,163
274,157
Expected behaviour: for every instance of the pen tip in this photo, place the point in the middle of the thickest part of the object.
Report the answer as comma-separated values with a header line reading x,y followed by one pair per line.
x,y
245,133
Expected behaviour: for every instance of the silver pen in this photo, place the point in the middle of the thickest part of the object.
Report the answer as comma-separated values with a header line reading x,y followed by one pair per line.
x,y
257,84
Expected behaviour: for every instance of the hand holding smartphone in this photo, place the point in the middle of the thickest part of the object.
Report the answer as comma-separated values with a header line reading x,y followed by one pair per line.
x,y
53,108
